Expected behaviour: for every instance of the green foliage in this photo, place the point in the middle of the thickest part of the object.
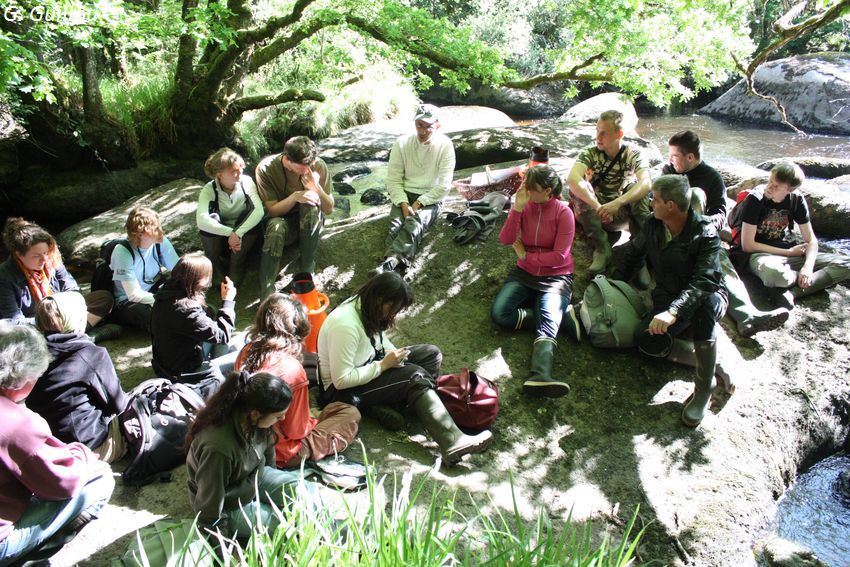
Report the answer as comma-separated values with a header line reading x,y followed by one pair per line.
x,y
416,528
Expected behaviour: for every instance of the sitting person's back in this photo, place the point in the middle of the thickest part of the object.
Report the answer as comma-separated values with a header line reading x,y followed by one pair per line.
x,y
183,327
80,394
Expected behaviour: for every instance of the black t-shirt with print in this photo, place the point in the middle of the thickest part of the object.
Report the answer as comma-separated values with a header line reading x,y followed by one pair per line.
x,y
774,222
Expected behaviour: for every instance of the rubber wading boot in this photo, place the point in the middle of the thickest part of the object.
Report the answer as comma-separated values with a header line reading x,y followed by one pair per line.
x,y
683,352
541,384
104,332
389,418
525,319
748,318
595,232
570,324
697,404
781,297
389,264
453,442
820,281
269,270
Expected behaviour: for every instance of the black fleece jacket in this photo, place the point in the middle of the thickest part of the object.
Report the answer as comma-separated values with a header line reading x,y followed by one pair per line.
x,y
180,326
79,392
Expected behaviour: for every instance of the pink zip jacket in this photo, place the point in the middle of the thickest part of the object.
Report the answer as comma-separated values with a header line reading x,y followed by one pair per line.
x,y
547,233
32,461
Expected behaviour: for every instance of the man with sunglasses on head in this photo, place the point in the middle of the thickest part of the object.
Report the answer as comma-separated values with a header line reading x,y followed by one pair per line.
x,y
419,177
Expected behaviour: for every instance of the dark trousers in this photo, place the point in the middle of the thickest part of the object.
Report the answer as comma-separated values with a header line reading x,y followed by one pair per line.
x,y
406,233
217,250
699,325
396,386
132,314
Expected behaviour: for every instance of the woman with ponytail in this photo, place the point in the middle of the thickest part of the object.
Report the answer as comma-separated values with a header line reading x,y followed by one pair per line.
x,y
231,455
536,296
275,345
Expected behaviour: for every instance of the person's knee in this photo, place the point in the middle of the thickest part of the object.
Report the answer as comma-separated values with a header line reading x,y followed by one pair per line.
x,y
774,276
500,315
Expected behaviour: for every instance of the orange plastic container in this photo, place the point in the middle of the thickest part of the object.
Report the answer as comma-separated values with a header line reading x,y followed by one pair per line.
x,y
317,303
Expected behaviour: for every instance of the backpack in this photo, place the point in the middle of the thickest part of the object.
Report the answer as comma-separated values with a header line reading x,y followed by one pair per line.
x,y
101,279
611,312
155,424
734,217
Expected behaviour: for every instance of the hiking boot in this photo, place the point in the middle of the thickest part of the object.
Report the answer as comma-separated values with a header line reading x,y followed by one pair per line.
x,y
453,442
541,384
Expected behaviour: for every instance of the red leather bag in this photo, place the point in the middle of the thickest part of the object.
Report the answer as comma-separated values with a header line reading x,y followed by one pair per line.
x,y
472,401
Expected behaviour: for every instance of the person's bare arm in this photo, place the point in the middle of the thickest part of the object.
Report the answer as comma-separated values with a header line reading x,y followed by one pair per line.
x,y
581,187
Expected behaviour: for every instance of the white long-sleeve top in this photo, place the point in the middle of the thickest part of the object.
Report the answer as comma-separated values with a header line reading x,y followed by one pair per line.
x,y
229,208
423,169
346,356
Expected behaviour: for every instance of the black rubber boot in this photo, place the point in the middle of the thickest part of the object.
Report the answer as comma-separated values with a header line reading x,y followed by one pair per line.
x,y
453,442
697,404
541,384
389,418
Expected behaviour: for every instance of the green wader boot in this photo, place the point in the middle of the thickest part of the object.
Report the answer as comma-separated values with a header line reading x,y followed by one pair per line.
x,y
453,442
541,384
820,281
683,352
697,404
598,237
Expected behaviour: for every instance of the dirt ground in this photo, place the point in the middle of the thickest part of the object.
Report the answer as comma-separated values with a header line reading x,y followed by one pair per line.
x,y
614,444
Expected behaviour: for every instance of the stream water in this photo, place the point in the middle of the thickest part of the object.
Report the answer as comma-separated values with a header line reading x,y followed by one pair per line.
x,y
815,512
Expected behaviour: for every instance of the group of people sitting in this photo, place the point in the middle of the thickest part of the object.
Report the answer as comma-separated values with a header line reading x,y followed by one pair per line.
x,y
257,429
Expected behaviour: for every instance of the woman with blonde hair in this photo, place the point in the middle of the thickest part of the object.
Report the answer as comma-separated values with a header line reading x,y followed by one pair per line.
x,y
137,266
187,334
79,395
229,215
276,344
34,270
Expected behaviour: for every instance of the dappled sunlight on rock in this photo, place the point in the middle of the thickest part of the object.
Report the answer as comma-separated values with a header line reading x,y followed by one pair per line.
x,y
332,276
493,366
582,501
675,391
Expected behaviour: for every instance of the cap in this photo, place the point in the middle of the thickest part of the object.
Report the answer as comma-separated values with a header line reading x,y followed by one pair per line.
x,y
427,113
539,155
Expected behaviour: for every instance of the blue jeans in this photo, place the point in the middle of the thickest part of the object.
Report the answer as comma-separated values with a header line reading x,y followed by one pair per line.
x,y
44,518
549,308
276,488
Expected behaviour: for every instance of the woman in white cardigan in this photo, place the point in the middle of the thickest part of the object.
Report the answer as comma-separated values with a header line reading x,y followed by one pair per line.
x,y
229,215
359,365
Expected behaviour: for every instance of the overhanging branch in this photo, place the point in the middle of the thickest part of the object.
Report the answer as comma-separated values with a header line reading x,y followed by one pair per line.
x,y
273,25
283,44
246,103
573,74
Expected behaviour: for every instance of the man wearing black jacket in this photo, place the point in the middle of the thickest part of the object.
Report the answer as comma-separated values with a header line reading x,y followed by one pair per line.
x,y
685,150
683,249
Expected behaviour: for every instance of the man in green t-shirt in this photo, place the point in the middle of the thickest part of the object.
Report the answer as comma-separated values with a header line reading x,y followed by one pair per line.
x,y
297,193
608,184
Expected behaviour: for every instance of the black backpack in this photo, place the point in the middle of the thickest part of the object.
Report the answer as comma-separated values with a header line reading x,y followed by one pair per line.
x,y
155,424
102,277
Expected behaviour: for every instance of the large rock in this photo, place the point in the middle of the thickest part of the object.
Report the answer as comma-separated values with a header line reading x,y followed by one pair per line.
x,y
813,88
76,195
372,142
476,147
733,174
814,166
590,109
829,203
542,101
175,202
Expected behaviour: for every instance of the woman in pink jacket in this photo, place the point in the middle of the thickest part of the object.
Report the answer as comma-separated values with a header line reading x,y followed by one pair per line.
x,y
536,295
48,489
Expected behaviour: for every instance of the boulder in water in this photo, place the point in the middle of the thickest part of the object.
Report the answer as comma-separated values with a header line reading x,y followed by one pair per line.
x,y
813,88
373,197
814,166
343,188
779,552
351,172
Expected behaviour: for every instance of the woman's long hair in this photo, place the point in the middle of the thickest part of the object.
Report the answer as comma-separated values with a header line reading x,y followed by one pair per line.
x,y
242,392
281,326
19,235
193,275
387,288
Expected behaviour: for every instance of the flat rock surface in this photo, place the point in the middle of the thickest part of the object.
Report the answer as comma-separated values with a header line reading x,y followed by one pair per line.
x,y
614,444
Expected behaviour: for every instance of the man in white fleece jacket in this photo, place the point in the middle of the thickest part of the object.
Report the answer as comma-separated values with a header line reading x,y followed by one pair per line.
x,y
419,177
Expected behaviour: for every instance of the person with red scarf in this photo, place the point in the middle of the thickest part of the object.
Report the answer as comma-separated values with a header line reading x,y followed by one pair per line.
x,y
34,271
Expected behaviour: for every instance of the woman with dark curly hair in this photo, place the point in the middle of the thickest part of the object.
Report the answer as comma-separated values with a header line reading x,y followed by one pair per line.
x,y
34,270
230,469
275,345
358,364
